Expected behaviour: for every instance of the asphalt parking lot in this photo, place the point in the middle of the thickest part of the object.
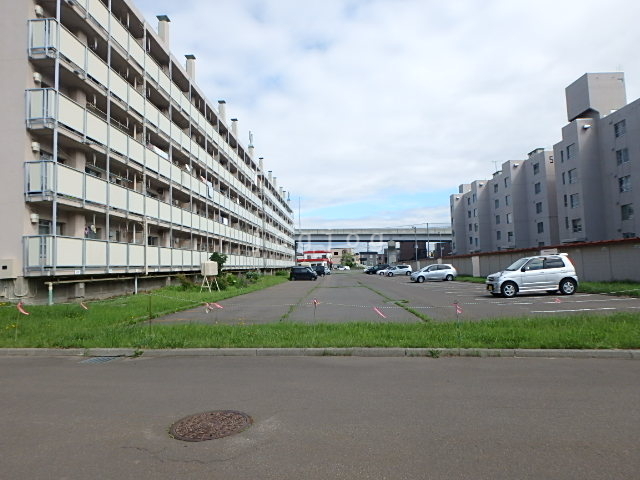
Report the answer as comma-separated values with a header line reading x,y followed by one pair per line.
x,y
354,296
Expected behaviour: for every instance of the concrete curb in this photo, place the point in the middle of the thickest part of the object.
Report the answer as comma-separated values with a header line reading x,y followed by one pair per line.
x,y
320,352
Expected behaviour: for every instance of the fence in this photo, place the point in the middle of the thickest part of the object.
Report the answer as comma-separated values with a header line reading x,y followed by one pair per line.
x,y
615,260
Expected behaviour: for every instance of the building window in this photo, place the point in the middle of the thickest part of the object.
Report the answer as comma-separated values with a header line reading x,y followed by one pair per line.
x,y
629,235
571,151
507,200
475,198
475,227
540,227
620,128
476,239
561,156
497,219
537,188
574,200
495,188
498,235
470,240
496,203
475,212
566,223
564,179
509,218
468,213
626,211
576,225
624,183
509,237
536,168
539,207
468,201
622,156
471,227
566,202
573,175
506,182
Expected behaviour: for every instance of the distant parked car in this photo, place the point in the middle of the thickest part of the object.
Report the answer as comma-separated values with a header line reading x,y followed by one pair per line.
x,y
302,273
327,271
344,267
397,270
436,272
550,273
320,270
376,268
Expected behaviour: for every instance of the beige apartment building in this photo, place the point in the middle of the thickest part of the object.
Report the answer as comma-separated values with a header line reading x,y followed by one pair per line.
x,y
582,191
117,166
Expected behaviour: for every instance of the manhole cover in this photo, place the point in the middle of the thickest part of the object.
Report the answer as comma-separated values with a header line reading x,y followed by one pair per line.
x,y
210,425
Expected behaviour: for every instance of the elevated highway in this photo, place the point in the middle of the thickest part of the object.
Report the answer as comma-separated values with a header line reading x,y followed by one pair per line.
x,y
436,233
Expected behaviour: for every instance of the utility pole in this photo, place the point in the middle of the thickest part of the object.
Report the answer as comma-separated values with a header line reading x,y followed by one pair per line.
x,y
428,243
415,245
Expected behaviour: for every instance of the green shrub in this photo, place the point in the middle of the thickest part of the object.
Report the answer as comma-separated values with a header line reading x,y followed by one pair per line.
x,y
282,273
252,276
185,282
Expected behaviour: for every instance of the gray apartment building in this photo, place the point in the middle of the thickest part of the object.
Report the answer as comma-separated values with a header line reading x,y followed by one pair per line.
x,y
581,191
117,165
598,161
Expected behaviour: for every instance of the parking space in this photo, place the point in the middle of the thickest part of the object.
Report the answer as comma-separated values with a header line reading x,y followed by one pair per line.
x,y
353,296
438,300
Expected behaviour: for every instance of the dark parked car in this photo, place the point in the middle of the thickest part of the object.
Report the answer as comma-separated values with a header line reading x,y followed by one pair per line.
x,y
320,270
375,268
302,273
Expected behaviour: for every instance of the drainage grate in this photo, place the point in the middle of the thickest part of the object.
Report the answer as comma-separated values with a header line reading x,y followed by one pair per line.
x,y
210,425
98,360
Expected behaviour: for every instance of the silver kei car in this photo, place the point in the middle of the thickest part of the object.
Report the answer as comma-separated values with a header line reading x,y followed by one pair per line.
x,y
434,273
550,273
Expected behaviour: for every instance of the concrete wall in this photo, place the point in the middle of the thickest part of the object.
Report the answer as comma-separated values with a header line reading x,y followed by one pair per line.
x,y
594,262
16,76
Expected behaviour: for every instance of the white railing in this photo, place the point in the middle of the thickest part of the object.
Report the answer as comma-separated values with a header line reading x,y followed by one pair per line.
x,y
48,177
82,254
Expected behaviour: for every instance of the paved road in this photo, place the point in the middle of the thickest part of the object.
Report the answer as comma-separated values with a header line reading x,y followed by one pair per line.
x,y
322,418
354,296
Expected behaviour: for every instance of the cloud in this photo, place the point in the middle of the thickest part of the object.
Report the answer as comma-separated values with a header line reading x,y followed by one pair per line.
x,y
348,99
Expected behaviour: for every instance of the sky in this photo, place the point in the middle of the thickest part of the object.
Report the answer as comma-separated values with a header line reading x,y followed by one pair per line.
x,y
371,113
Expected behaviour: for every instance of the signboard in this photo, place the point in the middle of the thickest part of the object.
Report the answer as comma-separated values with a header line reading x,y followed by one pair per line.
x,y
209,269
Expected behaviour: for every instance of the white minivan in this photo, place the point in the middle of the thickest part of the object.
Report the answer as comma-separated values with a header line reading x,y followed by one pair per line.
x,y
550,273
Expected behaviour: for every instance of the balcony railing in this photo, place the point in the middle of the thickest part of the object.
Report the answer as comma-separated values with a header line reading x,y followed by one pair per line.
x,y
45,178
82,255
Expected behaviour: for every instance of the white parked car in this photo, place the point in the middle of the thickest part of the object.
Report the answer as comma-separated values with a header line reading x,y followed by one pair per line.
x,y
550,273
436,272
344,267
396,270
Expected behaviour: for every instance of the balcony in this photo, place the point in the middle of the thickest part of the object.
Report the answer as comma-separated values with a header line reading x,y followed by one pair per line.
x,y
81,256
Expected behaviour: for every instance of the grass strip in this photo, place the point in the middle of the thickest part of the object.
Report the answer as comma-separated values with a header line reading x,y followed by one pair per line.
x,y
616,331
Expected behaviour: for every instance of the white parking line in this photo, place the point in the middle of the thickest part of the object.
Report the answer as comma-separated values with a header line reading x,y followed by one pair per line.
x,y
576,310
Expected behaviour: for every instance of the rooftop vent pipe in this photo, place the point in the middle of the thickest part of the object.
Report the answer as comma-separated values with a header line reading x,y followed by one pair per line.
x,y
222,110
163,28
191,66
234,127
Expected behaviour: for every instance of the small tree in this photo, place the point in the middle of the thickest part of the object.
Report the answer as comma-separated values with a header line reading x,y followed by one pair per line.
x,y
219,258
348,259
